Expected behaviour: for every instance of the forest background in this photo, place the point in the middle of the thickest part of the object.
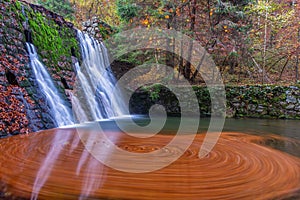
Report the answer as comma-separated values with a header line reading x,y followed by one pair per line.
x,y
251,41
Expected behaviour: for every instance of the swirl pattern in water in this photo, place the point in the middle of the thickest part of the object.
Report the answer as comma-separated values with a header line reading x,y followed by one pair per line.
x,y
54,165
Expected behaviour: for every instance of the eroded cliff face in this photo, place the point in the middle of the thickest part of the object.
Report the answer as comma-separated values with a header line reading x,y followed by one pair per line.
x,y
23,108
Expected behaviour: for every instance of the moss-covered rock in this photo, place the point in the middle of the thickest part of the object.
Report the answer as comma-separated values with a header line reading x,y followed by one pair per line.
x,y
23,107
241,101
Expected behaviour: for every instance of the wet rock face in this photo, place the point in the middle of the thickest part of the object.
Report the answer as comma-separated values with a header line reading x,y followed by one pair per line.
x,y
19,107
23,108
13,61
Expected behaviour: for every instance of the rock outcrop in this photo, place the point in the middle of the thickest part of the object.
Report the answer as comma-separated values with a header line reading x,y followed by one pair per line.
x,y
98,29
23,108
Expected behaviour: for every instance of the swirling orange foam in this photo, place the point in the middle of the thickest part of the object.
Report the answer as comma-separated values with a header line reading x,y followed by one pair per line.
x,y
237,168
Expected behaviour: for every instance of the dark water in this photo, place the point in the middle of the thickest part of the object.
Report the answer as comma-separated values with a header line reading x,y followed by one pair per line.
x,y
265,127
261,127
287,128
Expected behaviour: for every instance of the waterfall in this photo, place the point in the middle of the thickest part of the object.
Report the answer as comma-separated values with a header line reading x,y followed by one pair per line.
x,y
59,111
94,97
95,84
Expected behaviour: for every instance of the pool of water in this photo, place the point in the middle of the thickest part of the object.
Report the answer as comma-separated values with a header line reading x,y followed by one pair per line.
x,y
262,127
288,128
252,159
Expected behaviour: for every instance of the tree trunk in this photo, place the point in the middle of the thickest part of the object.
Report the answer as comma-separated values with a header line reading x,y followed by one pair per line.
x,y
265,43
187,68
297,68
198,67
297,59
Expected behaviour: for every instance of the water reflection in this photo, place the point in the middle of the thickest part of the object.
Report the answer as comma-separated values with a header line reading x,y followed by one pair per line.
x,y
263,127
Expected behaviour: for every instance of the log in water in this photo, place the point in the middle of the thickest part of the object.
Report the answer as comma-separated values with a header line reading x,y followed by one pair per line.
x,y
54,164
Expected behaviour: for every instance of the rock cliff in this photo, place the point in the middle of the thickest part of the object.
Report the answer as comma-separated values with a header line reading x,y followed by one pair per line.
x,y
22,106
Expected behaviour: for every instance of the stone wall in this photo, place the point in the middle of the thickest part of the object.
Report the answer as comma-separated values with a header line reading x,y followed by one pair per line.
x,y
264,102
98,29
243,101
23,108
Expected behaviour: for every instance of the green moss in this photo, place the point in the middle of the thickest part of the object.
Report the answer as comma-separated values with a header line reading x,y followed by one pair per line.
x,y
153,90
52,41
106,31
18,5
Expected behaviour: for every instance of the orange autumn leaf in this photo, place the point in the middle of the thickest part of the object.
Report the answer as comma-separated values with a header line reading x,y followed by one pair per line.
x,y
178,12
145,21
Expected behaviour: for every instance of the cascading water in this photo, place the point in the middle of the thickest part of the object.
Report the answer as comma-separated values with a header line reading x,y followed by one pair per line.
x,y
94,97
61,114
95,84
